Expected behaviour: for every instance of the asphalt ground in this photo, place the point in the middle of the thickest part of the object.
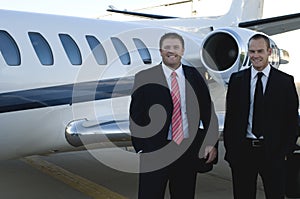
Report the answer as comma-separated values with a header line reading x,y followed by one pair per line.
x,y
79,175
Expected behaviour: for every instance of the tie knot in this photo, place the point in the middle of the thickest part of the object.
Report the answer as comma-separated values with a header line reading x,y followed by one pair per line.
x,y
174,74
259,75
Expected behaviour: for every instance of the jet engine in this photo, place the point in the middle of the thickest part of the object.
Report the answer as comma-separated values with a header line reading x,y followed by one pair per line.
x,y
224,51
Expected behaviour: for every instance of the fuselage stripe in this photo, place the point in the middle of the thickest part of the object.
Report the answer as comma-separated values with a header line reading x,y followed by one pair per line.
x,y
65,94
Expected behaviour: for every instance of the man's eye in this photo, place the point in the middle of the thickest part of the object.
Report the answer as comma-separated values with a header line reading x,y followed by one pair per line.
x,y
167,47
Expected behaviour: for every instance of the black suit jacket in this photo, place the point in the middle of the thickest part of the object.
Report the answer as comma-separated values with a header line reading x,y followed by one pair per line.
x,y
151,112
280,120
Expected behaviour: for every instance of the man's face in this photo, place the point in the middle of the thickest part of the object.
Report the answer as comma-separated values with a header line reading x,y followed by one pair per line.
x,y
259,53
171,52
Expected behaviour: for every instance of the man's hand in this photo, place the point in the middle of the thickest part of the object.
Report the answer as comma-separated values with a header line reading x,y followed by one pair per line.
x,y
210,153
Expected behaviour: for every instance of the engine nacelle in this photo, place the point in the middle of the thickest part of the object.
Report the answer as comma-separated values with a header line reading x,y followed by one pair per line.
x,y
224,51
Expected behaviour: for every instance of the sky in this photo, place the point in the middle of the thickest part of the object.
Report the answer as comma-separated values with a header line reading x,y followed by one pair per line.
x,y
81,8
96,8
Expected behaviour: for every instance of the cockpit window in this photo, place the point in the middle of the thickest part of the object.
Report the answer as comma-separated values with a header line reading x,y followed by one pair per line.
x,y
9,49
121,50
143,51
71,49
42,48
97,49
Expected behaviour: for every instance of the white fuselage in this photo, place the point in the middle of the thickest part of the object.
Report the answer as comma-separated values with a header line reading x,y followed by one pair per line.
x,y
52,76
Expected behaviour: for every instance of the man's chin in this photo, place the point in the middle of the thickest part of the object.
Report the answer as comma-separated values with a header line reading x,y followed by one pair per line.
x,y
259,67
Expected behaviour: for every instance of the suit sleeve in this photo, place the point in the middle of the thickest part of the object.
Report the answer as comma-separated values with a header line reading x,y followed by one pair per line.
x,y
137,113
292,104
211,121
229,123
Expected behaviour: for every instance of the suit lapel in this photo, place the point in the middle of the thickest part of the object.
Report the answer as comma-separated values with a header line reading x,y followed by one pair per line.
x,y
159,76
192,103
164,94
269,85
244,91
247,87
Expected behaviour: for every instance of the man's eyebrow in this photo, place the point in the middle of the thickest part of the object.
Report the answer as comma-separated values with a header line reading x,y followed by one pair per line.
x,y
259,50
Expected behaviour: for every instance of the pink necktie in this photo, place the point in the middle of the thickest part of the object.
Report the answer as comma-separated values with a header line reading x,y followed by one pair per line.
x,y
177,129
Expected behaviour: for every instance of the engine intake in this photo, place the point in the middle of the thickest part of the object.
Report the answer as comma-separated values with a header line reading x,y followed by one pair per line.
x,y
220,51
224,51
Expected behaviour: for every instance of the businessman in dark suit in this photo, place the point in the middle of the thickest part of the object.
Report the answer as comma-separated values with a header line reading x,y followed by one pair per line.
x,y
171,117
261,124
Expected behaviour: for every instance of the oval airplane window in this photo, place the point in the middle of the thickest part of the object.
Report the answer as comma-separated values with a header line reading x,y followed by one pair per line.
x,y
42,48
121,50
71,49
143,51
9,49
97,49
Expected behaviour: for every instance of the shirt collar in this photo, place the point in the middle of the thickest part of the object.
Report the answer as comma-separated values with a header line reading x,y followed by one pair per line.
x,y
168,71
265,71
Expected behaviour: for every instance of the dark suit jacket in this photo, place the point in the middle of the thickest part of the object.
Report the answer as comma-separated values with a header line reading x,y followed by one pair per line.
x,y
151,111
280,119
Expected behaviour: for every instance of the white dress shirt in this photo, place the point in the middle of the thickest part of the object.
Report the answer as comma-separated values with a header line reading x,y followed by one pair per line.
x,y
264,79
181,83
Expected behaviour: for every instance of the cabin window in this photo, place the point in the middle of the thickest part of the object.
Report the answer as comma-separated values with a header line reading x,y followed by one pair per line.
x,y
42,48
121,50
97,49
71,49
143,51
9,49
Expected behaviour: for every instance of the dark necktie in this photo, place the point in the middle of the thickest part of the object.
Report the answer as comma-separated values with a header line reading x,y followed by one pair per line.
x,y
257,121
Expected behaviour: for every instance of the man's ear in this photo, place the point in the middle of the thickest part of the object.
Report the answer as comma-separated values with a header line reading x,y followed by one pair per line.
x,y
160,50
269,51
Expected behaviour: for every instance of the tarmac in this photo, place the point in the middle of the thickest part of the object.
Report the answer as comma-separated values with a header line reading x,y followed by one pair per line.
x,y
79,175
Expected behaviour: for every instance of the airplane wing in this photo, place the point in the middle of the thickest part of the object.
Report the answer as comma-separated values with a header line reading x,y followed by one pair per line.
x,y
274,25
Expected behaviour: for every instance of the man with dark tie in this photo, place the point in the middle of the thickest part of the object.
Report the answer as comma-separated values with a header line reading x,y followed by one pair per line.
x,y
261,124
171,117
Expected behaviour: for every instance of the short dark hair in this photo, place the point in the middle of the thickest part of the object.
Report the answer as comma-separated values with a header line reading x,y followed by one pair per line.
x,y
172,35
260,36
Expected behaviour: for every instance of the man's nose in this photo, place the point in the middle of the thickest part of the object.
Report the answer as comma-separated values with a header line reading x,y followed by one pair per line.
x,y
255,54
172,50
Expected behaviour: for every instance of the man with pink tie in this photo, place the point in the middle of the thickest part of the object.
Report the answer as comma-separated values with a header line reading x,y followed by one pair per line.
x,y
171,114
